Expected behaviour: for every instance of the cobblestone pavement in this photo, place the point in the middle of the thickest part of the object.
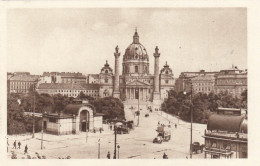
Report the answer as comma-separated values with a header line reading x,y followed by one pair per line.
x,y
136,145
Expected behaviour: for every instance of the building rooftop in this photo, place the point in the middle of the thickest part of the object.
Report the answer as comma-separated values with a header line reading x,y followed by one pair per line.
x,y
70,86
24,78
70,74
225,123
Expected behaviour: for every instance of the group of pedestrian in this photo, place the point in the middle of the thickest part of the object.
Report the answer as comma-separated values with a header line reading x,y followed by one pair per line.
x,y
159,124
19,146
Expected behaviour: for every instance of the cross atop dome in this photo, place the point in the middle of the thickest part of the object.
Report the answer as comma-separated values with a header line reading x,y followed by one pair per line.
x,y
106,64
136,37
166,65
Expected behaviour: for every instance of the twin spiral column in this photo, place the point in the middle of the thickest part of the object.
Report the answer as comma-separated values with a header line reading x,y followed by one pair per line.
x,y
156,91
116,92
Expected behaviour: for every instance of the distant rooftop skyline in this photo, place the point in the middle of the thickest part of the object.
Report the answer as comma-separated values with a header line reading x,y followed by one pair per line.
x,y
81,40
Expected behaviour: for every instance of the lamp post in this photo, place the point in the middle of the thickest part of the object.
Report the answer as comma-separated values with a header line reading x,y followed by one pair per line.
x,y
138,111
191,120
33,110
191,116
42,131
118,147
34,89
115,129
98,148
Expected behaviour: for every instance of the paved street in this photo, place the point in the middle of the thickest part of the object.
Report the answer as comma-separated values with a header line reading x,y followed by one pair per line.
x,y
138,144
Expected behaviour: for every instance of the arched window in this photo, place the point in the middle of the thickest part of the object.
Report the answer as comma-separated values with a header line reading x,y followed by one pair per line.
x,y
136,69
106,80
106,71
167,72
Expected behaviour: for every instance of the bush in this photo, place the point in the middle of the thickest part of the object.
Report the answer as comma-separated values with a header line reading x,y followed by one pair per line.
x,y
15,127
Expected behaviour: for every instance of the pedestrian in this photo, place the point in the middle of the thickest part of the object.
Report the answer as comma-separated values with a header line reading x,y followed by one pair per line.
x,y
108,155
25,149
14,145
100,130
175,126
19,145
110,126
165,156
159,123
94,130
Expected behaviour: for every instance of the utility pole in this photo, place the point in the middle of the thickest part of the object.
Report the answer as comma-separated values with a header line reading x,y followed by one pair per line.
x,y
33,110
42,133
115,128
191,119
98,148
138,109
42,130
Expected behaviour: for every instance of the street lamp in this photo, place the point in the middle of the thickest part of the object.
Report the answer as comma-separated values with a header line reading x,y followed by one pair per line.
x,y
118,147
115,129
42,130
138,111
191,116
34,88
98,148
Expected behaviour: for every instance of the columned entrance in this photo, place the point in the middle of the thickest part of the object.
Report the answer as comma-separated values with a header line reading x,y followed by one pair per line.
x,y
84,121
135,93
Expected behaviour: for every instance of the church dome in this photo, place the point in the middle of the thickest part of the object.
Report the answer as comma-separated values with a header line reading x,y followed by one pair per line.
x,y
106,69
136,50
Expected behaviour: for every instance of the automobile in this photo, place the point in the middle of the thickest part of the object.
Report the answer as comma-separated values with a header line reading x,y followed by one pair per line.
x,y
157,139
197,147
122,130
146,115
164,132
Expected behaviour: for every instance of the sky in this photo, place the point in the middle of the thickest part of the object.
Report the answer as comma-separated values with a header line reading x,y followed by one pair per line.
x,y
81,40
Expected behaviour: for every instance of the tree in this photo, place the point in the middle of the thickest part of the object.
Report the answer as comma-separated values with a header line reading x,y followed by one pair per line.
x,y
203,105
244,99
85,97
60,102
112,108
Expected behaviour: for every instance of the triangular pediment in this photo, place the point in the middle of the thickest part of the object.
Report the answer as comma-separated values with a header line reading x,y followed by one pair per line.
x,y
137,83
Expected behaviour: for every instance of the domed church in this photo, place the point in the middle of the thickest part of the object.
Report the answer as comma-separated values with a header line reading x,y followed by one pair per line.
x,y
136,82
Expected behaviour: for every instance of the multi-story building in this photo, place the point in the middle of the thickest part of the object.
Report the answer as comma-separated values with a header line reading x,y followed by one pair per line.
x,y
20,82
62,77
68,89
232,80
203,84
202,80
93,78
226,137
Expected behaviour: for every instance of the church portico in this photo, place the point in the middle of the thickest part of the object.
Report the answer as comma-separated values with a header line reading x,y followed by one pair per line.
x,y
137,92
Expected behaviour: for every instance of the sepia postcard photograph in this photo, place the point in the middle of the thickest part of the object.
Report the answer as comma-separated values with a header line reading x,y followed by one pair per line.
x,y
126,83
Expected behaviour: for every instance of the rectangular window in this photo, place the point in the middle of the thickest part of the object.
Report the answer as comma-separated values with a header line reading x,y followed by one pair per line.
x,y
136,69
